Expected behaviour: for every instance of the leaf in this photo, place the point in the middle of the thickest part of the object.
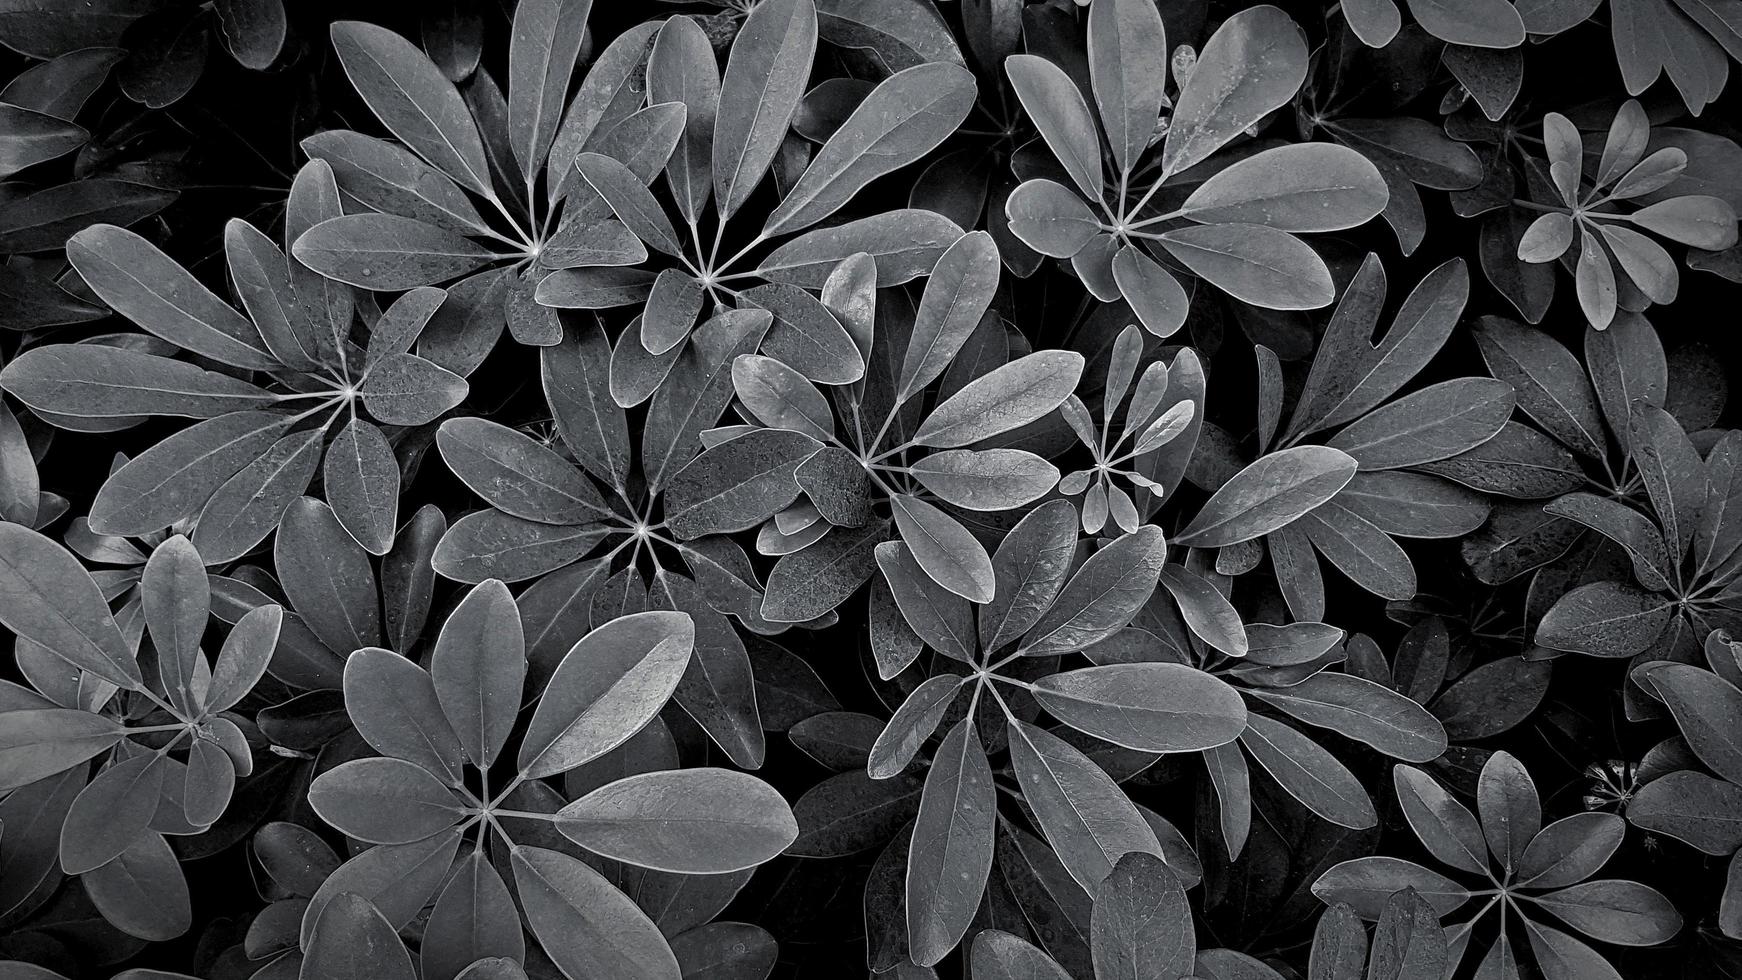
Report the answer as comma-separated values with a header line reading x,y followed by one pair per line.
x,y
1128,63
412,99
631,201
681,69
1408,940
1626,913
1364,711
177,601
1252,64
479,669
387,252
1367,883
987,479
1206,611
738,484
900,34
391,179
1704,706
1029,569
1605,619
1444,826
951,854
998,955
944,548
1672,471
395,708
53,602
543,47
780,397
1102,597
605,689
1431,424
328,578
1550,384
956,295
905,117
1269,494
361,478
1339,950
765,76
516,475
1689,806
1508,806
1057,108
1473,23
1006,398
474,918
850,812
1695,219
1086,817
1309,773
818,579
586,926
687,821
1149,707
911,725
1571,849
1633,531
904,244
143,892
943,619
111,813
247,506
384,801
1254,264
1295,187
154,291
32,137
1142,923
1050,218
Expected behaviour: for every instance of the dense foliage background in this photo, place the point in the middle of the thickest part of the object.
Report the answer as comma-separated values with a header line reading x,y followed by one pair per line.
x,y
1137,489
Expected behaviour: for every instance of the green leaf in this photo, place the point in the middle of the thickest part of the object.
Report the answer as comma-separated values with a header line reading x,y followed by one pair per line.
x,y
586,926
1269,494
361,478
387,252
1255,264
328,578
606,688
905,244
1295,187
474,919
899,34
685,821
766,75
1550,384
245,509
148,287
905,117
1206,611
681,69
943,619
1254,63
1630,529
1057,108
780,397
96,381
52,601
1408,940
631,201
1626,913
1510,811
144,893
1149,707
391,179
1570,850
1157,298
738,484
1006,398
1689,806
850,812
951,854
416,103
384,801
112,812
32,137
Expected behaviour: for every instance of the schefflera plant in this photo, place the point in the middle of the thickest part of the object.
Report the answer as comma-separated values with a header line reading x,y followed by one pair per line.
x,y
568,216
1045,607
287,391
735,129
1237,227
445,815
1608,237
169,746
918,448
1528,872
